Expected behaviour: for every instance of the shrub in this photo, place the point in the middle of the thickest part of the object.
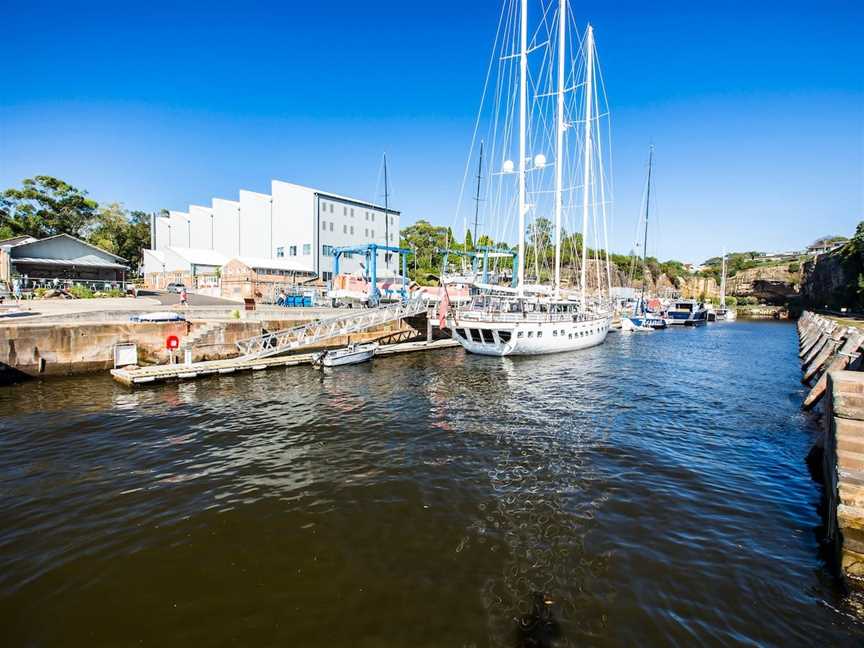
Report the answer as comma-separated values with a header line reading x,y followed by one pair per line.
x,y
794,267
81,292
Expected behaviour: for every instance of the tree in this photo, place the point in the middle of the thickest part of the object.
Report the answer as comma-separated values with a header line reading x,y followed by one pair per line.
x,y
124,234
46,206
424,240
469,241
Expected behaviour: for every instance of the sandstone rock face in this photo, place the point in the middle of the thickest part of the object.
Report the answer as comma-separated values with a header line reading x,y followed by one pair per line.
x,y
770,285
827,282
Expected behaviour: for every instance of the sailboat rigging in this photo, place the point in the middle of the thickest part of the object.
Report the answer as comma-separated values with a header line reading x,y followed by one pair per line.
x,y
536,318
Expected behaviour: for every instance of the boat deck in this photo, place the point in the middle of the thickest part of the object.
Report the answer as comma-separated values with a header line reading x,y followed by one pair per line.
x,y
135,376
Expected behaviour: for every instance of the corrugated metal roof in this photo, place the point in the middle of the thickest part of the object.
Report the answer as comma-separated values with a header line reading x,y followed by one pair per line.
x,y
198,256
89,261
20,249
279,263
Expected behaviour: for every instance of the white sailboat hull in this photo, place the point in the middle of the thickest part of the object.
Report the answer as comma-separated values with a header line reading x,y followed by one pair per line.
x,y
497,338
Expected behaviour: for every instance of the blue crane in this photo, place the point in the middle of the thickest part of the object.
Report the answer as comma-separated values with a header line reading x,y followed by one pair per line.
x,y
370,251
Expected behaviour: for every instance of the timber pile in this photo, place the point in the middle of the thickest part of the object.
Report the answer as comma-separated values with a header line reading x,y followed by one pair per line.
x,y
825,346
830,356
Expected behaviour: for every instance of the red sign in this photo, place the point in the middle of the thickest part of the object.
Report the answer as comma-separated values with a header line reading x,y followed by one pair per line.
x,y
172,342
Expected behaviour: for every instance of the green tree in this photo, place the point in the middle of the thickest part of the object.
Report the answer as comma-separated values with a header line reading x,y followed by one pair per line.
x,y
424,240
124,234
46,206
469,241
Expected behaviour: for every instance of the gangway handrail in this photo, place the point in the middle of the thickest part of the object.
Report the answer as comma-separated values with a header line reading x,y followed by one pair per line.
x,y
315,332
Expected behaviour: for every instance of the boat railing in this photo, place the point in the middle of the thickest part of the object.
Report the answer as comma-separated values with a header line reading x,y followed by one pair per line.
x,y
470,315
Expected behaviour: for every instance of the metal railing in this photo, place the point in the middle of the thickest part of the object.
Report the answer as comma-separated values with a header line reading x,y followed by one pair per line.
x,y
269,344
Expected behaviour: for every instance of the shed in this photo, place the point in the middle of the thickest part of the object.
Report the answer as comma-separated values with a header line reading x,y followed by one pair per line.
x,y
66,260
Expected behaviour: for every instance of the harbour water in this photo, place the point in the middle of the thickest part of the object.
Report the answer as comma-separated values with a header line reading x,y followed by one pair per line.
x,y
655,488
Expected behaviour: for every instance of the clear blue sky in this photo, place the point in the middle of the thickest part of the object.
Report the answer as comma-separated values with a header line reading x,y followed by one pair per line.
x,y
756,108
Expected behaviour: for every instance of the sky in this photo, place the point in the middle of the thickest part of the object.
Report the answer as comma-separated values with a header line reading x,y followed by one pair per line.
x,y
756,109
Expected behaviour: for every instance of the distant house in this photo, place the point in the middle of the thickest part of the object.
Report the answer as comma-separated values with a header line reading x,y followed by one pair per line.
x,y
60,260
824,246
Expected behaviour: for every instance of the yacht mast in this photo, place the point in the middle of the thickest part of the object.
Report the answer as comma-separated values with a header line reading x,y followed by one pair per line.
x,y
477,198
645,241
586,179
723,282
523,107
386,215
559,142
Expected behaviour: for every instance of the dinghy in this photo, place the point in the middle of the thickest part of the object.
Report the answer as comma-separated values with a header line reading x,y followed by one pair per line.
x,y
352,354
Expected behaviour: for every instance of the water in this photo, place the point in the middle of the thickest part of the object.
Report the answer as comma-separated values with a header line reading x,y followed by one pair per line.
x,y
654,488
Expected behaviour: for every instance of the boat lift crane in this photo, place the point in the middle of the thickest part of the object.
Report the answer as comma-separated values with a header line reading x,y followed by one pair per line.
x,y
485,252
370,251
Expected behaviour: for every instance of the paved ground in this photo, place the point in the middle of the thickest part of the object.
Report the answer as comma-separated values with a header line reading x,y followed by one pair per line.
x,y
170,299
78,308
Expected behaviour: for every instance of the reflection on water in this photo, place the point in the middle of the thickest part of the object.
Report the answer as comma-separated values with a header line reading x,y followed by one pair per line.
x,y
651,491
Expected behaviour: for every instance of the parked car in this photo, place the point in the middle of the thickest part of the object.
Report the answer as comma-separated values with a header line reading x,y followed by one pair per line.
x,y
175,287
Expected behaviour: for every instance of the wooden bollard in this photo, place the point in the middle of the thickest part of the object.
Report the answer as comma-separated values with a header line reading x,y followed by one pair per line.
x,y
842,359
831,345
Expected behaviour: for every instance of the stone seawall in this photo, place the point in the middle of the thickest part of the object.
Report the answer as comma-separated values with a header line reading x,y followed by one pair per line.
x,y
830,359
59,349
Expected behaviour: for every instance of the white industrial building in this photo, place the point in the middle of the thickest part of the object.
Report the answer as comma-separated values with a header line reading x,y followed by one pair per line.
x,y
296,224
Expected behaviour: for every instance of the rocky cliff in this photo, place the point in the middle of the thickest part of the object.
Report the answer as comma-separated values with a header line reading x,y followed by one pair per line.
x,y
831,280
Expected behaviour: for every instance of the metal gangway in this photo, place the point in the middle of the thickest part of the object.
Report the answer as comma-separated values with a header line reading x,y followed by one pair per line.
x,y
314,333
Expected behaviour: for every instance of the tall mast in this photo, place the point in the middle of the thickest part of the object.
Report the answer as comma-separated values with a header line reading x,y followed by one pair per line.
x,y
645,240
477,195
523,107
586,179
559,142
386,215
723,282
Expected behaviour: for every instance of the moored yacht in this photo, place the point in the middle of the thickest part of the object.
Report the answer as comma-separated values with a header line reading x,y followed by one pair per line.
x,y
687,312
540,319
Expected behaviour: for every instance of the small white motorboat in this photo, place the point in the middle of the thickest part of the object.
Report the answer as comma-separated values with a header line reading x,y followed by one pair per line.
x,y
629,326
352,354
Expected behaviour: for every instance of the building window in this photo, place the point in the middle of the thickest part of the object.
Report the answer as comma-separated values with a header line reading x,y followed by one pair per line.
x,y
327,276
391,220
331,208
307,249
366,232
326,250
331,226
323,226
373,233
344,210
344,229
292,250
373,217
352,230
367,215
280,252
352,212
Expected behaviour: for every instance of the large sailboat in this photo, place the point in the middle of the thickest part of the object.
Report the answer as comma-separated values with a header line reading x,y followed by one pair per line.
x,y
564,118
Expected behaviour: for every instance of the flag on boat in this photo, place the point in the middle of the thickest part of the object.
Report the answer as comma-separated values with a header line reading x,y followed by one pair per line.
x,y
443,307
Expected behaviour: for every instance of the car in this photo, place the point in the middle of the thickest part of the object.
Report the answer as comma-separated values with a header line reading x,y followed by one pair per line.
x,y
175,287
